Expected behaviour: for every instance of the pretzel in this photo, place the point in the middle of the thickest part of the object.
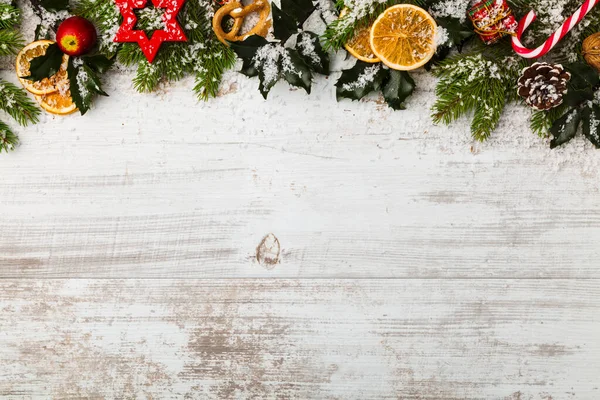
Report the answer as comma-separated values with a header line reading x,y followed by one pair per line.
x,y
238,12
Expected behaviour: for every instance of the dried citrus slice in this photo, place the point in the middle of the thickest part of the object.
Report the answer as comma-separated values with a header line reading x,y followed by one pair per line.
x,y
403,37
58,103
46,85
359,45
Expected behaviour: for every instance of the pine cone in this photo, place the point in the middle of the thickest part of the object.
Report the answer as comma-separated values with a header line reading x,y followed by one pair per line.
x,y
543,85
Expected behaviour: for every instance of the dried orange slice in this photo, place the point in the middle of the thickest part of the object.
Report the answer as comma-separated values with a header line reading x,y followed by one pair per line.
x,y
46,85
403,37
359,45
59,102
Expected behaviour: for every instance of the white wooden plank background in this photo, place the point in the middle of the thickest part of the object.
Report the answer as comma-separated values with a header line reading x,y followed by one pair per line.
x,y
414,263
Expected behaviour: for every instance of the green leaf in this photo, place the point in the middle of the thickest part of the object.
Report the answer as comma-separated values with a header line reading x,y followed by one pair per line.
x,y
398,87
583,76
54,5
284,25
360,80
310,49
266,85
98,62
248,68
299,10
590,119
297,73
565,128
581,85
46,65
84,85
248,48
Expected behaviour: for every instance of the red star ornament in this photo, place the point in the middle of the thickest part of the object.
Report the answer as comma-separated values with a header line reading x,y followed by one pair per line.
x,y
171,33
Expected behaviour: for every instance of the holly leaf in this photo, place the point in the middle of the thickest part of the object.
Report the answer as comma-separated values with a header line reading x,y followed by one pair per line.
x,y
84,85
398,87
565,128
295,71
581,85
45,65
246,50
248,68
98,62
268,80
299,10
583,76
312,53
590,120
284,25
360,80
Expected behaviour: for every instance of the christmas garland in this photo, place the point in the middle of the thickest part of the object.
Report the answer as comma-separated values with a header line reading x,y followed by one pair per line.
x,y
476,48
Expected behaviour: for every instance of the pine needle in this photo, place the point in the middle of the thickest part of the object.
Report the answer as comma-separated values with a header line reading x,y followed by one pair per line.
x,y
15,102
542,121
10,16
11,42
472,84
148,75
8,140
208,77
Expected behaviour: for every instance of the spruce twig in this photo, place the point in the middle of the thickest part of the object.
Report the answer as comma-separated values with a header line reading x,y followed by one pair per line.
x,y
10,16
473,84
11,42
15,102
208,77
8,139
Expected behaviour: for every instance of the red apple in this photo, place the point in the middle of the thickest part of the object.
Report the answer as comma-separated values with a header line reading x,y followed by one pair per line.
x,y
76,36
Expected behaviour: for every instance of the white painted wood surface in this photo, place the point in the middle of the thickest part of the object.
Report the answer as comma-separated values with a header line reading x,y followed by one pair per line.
x,y
405,261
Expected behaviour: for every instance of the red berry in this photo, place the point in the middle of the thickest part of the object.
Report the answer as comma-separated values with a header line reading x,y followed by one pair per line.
x,y
76,36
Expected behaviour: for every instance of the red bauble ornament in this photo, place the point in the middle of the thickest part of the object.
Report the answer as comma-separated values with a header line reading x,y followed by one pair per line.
x,y
171,33
76,36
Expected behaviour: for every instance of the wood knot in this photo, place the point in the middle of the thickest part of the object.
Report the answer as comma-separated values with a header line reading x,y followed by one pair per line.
x,y
268,250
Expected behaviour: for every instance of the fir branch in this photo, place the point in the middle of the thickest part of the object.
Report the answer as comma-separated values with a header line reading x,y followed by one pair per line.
x,y
541,121
11,42
472,84
130,54
489,108
10,16
208,75
148,75
15,102
173,68
8,140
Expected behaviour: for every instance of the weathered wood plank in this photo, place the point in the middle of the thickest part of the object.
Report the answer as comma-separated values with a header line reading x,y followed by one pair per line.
x,y
128,191
349,190
330,339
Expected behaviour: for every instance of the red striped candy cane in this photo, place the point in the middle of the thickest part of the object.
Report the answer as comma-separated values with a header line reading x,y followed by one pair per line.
x,y
555,37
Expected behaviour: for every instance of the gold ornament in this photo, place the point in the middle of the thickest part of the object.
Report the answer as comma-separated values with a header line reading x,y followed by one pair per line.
x,y
591,50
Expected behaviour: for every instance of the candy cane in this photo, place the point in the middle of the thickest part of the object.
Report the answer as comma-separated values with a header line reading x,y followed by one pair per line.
x,y
555,37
